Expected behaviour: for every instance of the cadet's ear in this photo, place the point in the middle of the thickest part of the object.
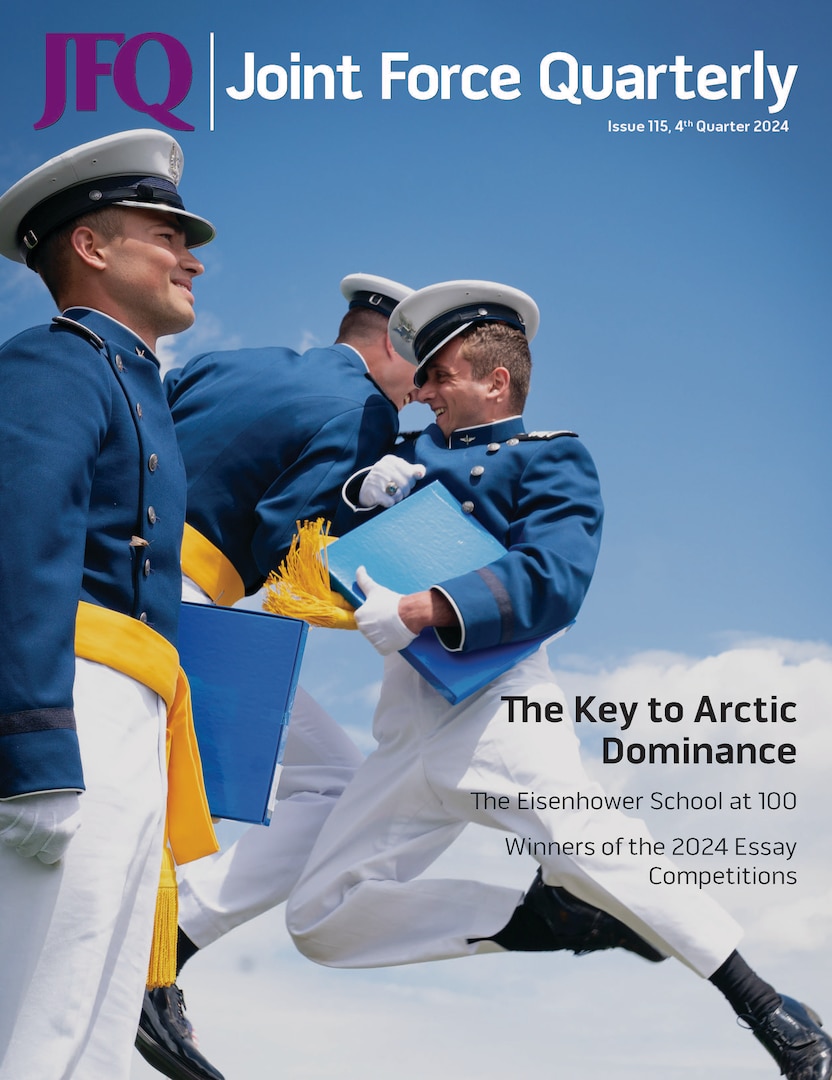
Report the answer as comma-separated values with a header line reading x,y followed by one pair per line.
x,y
87,245
500,380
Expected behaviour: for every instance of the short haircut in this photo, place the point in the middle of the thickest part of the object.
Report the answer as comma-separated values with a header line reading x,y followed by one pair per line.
x,y
52,258
362,326
487,346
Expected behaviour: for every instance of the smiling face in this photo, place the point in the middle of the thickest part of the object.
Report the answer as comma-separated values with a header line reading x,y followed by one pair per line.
x,y
458,399
143,275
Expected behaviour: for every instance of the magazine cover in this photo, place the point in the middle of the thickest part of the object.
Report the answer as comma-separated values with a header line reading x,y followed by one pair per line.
x,y
656,177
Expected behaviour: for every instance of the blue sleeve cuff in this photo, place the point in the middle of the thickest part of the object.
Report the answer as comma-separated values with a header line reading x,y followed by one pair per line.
x,y
48,760
483,608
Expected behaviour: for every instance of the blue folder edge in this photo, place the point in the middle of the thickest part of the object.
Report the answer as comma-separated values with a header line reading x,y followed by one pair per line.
x,y
457,675
243,669
424,539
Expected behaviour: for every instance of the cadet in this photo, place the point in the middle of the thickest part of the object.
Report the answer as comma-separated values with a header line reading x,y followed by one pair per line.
x,y
269,436
94,504
360,901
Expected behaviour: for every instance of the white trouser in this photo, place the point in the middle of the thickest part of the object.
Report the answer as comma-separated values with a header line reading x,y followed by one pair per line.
x,y
75,936
258,871
360,901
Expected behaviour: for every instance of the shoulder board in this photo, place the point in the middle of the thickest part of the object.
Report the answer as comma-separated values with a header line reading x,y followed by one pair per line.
x,y
79,329
535,436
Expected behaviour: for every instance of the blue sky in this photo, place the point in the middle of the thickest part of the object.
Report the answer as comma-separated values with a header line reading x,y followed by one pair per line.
x,y
683,282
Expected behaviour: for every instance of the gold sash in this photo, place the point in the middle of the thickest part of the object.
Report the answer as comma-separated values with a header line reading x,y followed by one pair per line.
x,y
210,569
133,648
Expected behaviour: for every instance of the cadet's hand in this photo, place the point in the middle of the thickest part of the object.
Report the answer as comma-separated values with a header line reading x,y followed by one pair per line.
x,y
378,617
389,480
42,824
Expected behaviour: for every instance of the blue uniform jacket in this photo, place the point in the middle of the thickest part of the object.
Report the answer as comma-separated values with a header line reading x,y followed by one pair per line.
x,y
538,494
268,437
93,498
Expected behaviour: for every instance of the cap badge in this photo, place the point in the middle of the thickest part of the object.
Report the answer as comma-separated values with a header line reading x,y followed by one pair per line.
x,y
406,330
175,163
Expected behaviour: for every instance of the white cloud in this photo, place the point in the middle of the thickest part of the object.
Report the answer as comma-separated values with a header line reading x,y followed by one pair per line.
x,y
776,918
308,340
206,335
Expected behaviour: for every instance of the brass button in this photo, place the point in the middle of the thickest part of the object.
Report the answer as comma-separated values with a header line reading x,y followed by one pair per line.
x,y
143,617
119,363
138,408
493,447
478,470
467,507
152,462
146,568
151,515
512,442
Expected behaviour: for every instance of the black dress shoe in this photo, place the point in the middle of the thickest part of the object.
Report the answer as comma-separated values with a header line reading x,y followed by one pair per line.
x,y
793,1036
549,919
165,1038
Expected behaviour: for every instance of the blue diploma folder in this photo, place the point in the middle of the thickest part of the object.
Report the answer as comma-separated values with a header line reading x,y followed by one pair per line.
x,y
243,668
425,539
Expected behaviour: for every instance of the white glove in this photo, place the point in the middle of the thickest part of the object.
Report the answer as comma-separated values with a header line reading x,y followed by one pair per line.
x,y
378,617
389,480
42,824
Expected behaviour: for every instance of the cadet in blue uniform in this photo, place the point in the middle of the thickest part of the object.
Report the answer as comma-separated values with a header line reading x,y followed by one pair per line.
x,y
268,437
361,901
93,508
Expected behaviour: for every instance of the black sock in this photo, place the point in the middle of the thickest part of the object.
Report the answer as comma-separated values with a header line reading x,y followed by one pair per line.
x,y
185,949
748,994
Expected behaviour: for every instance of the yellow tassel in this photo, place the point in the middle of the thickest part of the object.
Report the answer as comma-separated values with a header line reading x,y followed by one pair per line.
x,y
162,968
299,588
